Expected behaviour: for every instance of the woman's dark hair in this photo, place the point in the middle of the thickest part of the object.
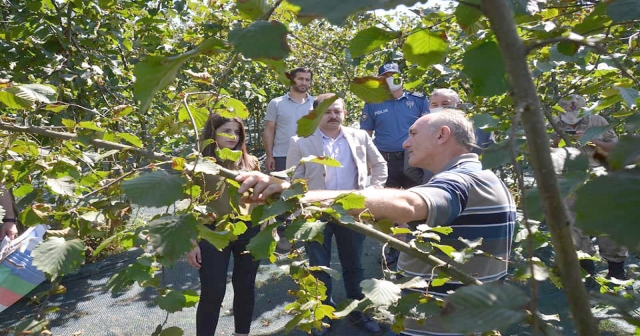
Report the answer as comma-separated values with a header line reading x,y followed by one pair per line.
x,y
215,120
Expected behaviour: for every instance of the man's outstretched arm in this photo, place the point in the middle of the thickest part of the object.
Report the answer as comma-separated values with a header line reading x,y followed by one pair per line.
x,y
397,205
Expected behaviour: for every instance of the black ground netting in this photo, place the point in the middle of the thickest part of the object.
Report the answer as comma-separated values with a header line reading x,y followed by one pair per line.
x,y
88,308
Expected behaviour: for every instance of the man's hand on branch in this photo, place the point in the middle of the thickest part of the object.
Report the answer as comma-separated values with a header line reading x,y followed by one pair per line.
x,y
263,185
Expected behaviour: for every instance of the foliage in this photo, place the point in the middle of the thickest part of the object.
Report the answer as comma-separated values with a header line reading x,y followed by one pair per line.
x,y
96,97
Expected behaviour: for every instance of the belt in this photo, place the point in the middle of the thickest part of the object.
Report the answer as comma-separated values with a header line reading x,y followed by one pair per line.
x,y
393,155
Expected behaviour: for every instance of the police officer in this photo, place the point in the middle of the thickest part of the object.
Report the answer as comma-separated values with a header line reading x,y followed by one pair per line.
x,y
389,122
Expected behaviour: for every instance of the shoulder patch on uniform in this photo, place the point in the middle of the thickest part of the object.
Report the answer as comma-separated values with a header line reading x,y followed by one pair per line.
x,y
418,94
364,117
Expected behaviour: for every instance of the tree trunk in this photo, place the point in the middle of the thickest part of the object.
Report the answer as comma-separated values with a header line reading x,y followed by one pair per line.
x,y
526,96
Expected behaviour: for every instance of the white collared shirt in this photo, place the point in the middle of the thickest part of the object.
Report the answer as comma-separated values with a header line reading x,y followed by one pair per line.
x,y
339,178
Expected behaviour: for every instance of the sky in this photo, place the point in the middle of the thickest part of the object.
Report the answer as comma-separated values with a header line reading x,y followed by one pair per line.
x,y
404,9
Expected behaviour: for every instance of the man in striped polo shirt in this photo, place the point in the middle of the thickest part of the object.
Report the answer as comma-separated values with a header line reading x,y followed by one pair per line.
x,y
472,201
461,195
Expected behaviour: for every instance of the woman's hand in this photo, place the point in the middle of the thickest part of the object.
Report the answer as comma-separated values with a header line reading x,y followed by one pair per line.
x,y
194,258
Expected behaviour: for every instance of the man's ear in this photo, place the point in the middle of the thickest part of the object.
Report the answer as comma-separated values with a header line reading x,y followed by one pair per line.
x,y
444,134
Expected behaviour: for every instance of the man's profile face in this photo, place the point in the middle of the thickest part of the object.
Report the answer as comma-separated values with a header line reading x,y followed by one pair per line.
x,y
439,100
421,143
333,116
301,82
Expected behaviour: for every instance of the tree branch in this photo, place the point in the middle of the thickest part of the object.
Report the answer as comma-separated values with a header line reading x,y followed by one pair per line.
x,y
535,44
514,53
72,136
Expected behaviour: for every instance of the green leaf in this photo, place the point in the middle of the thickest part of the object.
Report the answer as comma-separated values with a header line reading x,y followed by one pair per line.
x,y
35,93
371,89
307,125
65,185
280,68
166,189
567,183
219,239
200,115
90,125
351,201
153,74
262,213
32,326
171,235
595,22
296,189
174,300
13,102
568,48
477,309
156,72
415,282
204,165
323,160
130,138
572,165
624,10
629,95
609,204
484,65
57,256
261,39
369,40
498,154
632,123
252,9
263,244
467,15
448,250
230,108
484,120
309,231
56,108
593,133
380,292
322,311
172,331
625,152
425,48
229,154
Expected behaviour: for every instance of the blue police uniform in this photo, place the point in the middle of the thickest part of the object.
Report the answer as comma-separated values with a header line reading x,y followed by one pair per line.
x,y
390,121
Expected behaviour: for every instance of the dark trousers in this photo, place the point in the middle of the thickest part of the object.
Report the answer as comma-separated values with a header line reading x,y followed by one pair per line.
x,y
350,253
397,178
213,282
281,162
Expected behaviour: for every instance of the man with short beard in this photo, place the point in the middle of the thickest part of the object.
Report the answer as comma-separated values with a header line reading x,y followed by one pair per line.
x,y
281,120
281,123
